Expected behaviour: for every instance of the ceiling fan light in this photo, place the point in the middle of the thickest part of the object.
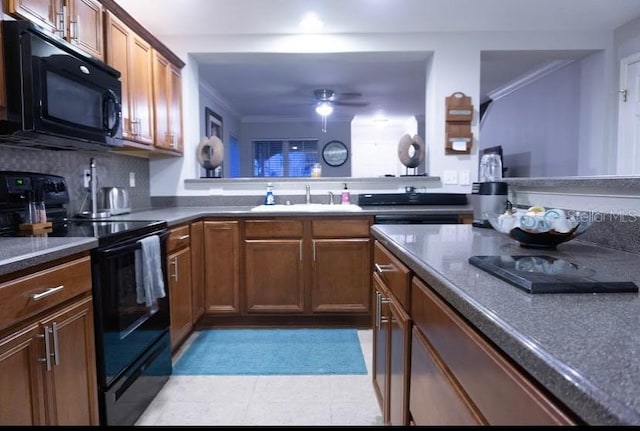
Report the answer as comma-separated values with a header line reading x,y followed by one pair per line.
x,y
324,108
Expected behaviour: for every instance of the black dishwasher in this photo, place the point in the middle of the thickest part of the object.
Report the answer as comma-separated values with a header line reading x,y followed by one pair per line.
x,y
414,215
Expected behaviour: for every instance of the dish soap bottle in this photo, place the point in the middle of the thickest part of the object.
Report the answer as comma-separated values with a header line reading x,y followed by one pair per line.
x,y
269,199
346,196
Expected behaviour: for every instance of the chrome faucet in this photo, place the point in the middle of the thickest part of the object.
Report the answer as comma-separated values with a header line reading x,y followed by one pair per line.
x,y
330,198
307,190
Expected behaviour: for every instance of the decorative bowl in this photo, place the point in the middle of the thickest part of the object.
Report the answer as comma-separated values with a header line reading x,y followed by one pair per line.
x,y
542,229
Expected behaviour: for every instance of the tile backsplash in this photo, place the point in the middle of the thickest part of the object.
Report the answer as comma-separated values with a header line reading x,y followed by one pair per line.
x,y
112,169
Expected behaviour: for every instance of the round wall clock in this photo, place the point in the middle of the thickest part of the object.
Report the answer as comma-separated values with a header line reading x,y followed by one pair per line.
x,y
335,153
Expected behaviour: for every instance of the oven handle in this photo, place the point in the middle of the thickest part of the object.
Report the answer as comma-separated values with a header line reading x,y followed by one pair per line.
x,y
134,243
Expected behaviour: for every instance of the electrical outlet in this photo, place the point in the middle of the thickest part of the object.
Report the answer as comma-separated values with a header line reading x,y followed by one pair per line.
x,y
132,179
464,178
450,177
86,178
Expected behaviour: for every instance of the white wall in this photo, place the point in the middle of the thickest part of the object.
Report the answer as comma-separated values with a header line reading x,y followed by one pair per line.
x,y
455,66
376,152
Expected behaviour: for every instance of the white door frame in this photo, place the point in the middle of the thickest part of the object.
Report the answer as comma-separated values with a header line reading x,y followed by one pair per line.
x,y
627,155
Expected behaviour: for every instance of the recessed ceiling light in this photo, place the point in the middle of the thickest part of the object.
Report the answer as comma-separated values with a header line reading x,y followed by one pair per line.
x,y
311,22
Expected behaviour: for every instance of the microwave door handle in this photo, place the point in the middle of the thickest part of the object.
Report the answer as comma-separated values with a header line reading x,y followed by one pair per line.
x,y
111,101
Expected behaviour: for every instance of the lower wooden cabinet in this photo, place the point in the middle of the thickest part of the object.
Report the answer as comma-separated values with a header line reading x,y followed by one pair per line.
x,y
391,347
179,284
308,266
274,276
340,275
479,383
196,231
221,267
434,397
48,369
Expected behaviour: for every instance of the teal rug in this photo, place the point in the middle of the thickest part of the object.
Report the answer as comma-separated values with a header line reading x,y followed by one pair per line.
x,y
273,352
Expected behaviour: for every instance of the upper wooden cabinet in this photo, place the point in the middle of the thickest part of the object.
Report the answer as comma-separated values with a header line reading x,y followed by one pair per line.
x,y
132,56
167,102
77,21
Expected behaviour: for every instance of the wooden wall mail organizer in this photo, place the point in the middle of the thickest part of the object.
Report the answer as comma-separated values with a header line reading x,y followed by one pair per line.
x,y
459,113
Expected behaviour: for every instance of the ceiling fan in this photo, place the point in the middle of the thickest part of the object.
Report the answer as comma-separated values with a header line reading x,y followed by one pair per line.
x,y
330,96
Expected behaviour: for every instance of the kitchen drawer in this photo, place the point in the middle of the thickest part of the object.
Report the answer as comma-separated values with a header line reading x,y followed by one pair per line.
x,y
434,397
178,238
273,228
503,394
340,228
393,273
29,295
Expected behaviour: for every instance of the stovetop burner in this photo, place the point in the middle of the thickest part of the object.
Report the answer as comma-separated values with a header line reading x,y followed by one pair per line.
x,y
548,274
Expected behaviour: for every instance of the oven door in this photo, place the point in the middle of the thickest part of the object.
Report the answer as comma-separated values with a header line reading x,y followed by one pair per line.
x,y
125,328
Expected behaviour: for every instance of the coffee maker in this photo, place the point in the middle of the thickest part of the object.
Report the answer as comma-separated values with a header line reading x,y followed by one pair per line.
x,y
489,196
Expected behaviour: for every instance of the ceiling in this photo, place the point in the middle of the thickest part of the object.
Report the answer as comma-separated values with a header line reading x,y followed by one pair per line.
x,y
270,84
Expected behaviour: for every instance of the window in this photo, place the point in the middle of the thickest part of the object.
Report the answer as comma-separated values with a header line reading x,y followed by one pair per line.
x,y
284,158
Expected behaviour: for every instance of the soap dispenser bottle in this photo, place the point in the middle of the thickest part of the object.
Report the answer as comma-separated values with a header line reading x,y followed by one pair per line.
x,y
269,199
346,196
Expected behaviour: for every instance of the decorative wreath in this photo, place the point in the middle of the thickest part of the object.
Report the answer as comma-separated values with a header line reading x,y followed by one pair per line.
x,y
411,150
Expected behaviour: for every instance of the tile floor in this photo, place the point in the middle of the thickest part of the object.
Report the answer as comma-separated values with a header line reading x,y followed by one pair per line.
x,y
331,400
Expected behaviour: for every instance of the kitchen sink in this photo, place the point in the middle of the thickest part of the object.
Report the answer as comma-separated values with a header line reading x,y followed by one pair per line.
x,y
307,208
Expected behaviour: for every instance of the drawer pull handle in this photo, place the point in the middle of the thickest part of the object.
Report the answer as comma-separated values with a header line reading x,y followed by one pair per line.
x,y
384,268
183,237
49,291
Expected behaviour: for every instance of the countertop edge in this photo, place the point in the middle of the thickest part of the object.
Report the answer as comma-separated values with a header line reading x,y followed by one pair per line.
x,y
42,253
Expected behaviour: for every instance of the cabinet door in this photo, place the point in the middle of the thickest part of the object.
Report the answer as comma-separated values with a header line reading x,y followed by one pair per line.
x,y
46,13
381,340
179,275
117,44
86,27
197,270
21,397
274,276
71,385
434,397
175,109
140,90
341,275
400,334
221,267
161,100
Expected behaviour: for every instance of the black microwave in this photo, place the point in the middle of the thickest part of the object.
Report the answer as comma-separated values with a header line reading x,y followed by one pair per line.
x,y
57,96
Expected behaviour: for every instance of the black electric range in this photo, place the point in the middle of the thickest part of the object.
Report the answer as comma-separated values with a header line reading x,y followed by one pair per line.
x,y
132,338
17,188
547,274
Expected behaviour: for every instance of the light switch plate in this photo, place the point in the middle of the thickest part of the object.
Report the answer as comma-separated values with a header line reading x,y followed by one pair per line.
x,y
450,177
463,177
132,179
86,178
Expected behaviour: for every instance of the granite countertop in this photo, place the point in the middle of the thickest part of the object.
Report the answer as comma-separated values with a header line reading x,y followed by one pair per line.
x,y
20,253
24,252
582,347
178,215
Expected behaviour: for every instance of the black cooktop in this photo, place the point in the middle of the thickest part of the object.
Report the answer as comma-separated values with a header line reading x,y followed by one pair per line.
x,y
547,274
105,231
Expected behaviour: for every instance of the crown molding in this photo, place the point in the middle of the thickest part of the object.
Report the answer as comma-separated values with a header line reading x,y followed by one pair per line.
x,y
218,99
528,78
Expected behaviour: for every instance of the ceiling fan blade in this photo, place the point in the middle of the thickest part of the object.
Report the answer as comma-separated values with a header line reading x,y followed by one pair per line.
x,y
350,94
345,103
